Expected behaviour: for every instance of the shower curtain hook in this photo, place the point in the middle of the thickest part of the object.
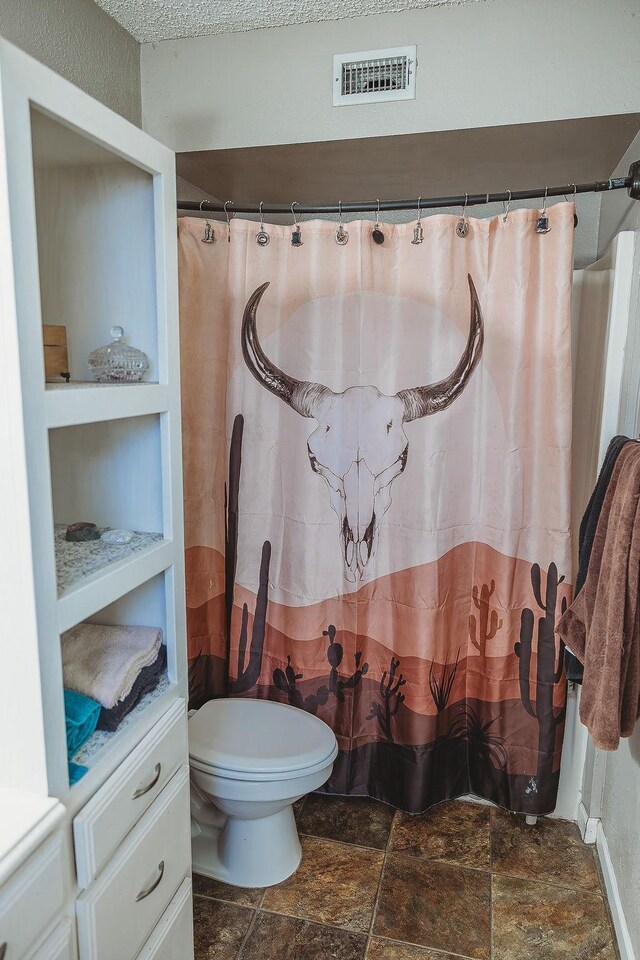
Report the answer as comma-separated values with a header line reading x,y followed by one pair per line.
x,y
506,206
575,191
542,223
341,234
262,237
376,234
418,232
296,235
462,226
226,203
209,235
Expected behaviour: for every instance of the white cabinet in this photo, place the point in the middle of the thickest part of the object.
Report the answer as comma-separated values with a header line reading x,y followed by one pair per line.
x,y
59,944
140,881
32,898
87,242
110,815
173,935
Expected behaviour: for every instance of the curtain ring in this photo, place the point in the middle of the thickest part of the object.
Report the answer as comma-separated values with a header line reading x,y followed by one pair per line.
x,y
506,206
575,215
376,234
209,235
462,226
542,223
341,235
296,234
418,232
262,237
226,212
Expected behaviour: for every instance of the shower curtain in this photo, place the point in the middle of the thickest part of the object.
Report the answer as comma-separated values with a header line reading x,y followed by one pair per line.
x,y
377,474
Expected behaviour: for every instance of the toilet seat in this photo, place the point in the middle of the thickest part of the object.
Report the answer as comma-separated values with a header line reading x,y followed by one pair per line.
x,y
258,740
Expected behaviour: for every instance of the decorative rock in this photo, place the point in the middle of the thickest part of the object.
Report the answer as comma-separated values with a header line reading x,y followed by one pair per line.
x,y
82,531
117,536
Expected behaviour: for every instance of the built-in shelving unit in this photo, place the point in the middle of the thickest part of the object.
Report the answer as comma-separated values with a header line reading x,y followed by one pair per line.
x,y
91,243
87,243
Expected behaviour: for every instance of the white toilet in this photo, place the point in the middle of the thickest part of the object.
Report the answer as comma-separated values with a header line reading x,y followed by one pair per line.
x,y
250,761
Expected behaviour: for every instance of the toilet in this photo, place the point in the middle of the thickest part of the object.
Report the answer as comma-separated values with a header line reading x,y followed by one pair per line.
x,y
250,761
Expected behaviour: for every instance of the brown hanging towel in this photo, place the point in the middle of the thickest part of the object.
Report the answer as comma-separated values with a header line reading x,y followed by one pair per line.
x,y
588,527
602,624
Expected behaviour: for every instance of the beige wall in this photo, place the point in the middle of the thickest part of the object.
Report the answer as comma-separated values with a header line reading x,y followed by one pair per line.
x,y
79,41
618,211
498,62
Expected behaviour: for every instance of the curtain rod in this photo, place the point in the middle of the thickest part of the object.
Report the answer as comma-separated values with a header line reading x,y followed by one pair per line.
x,y
630,183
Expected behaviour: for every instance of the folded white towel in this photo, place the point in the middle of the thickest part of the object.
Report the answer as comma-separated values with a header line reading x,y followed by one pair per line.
x,y
102,662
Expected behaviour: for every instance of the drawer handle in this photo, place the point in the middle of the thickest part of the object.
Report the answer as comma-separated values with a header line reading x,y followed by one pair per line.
x,y
149,890
141,792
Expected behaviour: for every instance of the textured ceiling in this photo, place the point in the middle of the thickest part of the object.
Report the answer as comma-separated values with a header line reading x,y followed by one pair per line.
x,y
151,20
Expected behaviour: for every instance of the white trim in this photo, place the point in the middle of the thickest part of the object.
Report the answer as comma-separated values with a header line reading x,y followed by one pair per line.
x,y
587,825
613,896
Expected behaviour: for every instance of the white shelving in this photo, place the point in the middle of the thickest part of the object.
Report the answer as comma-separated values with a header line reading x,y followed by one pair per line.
x,y
75,562
73,404
88,241
90,594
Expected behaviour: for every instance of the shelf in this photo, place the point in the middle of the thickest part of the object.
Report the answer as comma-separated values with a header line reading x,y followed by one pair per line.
x,y
89,754
95,223
74,404
86,587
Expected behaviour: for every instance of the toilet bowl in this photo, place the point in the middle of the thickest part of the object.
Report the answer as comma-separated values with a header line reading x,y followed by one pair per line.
x,y
250,761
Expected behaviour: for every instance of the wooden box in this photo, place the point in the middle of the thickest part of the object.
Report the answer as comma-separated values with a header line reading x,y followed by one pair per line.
x,y
56,358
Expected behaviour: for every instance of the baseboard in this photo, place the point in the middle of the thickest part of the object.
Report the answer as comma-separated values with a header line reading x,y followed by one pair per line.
x,y
588,825
613,895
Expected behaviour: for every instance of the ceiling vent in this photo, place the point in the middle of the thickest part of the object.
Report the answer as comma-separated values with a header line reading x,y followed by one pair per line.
x,y
373,76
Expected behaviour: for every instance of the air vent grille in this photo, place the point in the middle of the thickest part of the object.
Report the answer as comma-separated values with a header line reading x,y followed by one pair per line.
x,y
374,75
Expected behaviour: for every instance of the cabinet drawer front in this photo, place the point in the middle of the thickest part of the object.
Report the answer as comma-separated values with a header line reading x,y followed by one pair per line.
x,y
105,821
32,897
173,937
58,945
118,912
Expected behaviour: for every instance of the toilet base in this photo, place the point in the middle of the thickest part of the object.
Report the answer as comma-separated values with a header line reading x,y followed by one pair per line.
x,y
249,853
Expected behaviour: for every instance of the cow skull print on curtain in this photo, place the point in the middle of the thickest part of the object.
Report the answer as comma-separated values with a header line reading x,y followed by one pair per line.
x,y
377,468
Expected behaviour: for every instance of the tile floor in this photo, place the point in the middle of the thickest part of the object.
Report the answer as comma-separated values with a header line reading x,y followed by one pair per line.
x,y
460,881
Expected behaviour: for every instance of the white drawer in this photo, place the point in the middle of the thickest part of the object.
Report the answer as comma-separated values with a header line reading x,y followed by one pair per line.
x,y
120,909
102,825
172,939
33,896
58,945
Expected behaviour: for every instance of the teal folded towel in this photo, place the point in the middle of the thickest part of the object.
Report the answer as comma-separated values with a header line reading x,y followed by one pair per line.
x,y
76,772
81,716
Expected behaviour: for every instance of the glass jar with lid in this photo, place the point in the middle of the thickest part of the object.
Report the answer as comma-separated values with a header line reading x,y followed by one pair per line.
x,y
117,362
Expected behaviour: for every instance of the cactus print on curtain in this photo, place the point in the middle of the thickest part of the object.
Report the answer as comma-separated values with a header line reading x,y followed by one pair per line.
x,y
377,477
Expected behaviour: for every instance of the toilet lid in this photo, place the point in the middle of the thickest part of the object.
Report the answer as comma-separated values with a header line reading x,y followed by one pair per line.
x,y
258,737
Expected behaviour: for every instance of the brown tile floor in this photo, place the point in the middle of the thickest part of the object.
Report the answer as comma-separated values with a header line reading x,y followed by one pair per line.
x,y
460,881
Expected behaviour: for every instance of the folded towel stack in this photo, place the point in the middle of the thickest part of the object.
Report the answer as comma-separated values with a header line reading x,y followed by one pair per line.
x,y
103,662
113,665
146,681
